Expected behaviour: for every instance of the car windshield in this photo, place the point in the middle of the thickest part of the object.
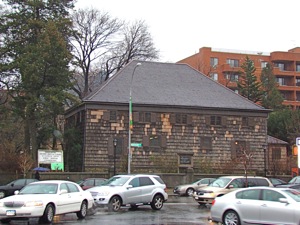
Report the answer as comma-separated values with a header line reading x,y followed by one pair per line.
x,y
220,182
115,181
294,194
39,189
295,180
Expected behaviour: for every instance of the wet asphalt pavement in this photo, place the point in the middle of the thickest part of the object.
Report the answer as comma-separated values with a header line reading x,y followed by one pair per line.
x,y
177,211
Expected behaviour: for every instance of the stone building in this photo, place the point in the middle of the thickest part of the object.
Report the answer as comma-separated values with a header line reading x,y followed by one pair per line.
x,y
181,119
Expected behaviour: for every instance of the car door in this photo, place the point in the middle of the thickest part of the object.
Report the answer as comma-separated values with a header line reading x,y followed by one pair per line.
x,y
274,212
248,204
133,194
76,197
147,186
64,199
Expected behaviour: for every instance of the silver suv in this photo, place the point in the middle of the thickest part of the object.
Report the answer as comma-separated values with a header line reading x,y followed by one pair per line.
x,y
133,190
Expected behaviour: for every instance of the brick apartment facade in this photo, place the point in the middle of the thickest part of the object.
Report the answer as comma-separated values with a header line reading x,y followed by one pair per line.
x,y
223,66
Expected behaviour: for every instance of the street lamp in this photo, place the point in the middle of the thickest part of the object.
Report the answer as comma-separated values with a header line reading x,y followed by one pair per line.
x,y
130,125
115,148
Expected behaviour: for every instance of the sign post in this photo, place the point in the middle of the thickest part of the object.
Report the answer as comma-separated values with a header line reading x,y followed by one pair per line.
x,y
298,146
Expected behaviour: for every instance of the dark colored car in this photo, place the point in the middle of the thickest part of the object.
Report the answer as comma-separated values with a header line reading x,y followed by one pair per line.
x,y
10,188
91,182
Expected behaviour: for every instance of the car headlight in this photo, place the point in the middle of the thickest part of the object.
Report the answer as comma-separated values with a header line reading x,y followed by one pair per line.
x,y
33,203
212,194
1,204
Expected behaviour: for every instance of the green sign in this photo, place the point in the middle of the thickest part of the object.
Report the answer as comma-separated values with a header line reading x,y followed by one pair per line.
x,y
57,166
136,145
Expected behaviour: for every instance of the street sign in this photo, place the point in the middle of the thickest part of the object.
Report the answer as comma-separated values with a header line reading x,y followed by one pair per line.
x,y
298,146
136,145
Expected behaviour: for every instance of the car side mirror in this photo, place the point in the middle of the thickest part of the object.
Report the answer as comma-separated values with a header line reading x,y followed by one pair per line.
x,y
12,184
63,191
230,186
283,200
16,192
129,186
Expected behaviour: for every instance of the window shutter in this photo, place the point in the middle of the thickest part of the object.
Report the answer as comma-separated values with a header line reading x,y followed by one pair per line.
x,y
146,141
106,115
233,150
224,120
189,119
153,117
207,120
136,116
110,146
163,141
172,118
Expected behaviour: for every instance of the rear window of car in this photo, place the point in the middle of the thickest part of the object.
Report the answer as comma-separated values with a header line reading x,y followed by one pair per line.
x,y
159,180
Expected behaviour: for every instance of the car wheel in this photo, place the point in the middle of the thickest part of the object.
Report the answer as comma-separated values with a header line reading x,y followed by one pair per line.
x,y
2,194
48,214
5,220
114,204
231,218
189,191
157,202
83,210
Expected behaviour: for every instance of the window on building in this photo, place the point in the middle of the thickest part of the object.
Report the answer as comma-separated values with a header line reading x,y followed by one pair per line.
x,y
276,153
155,141
214,76
233,62
263,64
281,81
232,77
181,118
280,66
214,61
297,81
239,148
113,115
216,120
245,121
298,96
298,67
206,143
145,117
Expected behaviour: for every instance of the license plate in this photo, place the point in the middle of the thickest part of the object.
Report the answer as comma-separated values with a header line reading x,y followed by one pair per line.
x,y
11,212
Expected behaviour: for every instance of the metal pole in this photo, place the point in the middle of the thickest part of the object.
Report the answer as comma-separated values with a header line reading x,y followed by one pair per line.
x,y
115,146
130,125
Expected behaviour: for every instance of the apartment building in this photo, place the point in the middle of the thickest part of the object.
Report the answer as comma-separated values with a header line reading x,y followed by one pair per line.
x,y
224,66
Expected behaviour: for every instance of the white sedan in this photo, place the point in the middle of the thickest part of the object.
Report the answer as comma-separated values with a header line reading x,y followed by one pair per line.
x,y
45,199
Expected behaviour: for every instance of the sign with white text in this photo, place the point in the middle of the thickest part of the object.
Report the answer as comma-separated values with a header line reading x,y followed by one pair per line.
x,y
50,156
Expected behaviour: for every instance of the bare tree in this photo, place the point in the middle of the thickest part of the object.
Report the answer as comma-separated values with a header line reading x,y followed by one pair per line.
x,y
25,163
94,36
136,43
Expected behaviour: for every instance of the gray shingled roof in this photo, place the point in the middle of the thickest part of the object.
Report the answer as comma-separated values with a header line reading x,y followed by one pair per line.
x,y
273,140
168,84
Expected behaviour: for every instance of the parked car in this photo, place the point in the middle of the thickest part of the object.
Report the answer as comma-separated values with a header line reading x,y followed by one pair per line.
x,y
45,199
295,180
10,188
257,205
133,190
226,184
91,182
188,189
276,181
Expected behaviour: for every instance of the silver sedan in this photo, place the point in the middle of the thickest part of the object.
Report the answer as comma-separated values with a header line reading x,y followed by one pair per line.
x,y
257,205
188,189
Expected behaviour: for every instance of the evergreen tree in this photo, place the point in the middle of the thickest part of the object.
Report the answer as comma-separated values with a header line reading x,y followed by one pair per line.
x,y
34,57
248,86
272,98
